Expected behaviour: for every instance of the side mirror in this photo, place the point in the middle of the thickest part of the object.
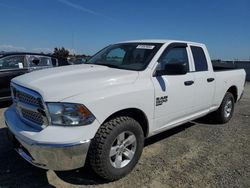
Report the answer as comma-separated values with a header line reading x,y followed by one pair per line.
x,y
175,68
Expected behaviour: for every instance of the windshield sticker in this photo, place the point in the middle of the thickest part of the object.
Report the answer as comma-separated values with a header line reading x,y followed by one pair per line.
x,y
149,47
20,65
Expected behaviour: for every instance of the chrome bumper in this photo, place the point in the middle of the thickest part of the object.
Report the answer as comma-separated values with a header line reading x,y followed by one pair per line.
x,y
52,156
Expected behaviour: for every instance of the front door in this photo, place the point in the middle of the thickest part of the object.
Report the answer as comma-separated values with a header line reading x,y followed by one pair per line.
x,y
174,93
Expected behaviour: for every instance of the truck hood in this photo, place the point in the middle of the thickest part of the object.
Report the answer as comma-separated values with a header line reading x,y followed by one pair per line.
x,y
56,84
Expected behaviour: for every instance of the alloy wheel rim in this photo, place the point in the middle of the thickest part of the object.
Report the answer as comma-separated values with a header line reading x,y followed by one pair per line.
x,y
123,149
228,108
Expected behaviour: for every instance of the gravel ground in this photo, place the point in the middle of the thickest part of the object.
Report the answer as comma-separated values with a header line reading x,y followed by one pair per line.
x,y
196,154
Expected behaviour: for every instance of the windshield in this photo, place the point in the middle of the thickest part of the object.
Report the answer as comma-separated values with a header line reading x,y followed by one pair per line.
x,y
130,56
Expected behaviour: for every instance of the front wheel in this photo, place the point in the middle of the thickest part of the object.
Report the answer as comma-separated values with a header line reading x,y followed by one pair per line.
x,y
226,109
116,148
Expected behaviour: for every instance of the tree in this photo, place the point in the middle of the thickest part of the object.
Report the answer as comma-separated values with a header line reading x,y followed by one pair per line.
x,y
61,53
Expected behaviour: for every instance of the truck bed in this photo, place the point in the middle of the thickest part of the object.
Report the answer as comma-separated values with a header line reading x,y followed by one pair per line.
x,y
221,66
225,78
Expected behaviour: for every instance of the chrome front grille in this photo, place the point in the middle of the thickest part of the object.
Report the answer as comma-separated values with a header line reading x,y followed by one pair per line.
x,y
33,116
27,98
29,106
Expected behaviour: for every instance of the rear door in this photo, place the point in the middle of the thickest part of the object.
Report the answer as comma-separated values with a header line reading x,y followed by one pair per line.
x,y
204,79
174,94
10,67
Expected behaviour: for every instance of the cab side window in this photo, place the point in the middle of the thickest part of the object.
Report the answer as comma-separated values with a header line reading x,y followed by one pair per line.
x,y
200,60
12,62
174,55
39,61
45,61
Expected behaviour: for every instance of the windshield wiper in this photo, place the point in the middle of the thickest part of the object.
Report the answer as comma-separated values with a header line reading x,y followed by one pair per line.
x,y
107,65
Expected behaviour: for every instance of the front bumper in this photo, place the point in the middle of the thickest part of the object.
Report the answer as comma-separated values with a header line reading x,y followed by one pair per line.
x,y
52,156
54,148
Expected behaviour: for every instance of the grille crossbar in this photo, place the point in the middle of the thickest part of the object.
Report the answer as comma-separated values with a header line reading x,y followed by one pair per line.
x,y
29,106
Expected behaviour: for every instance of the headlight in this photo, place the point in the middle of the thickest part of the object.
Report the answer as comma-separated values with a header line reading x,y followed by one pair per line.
x,y
69,114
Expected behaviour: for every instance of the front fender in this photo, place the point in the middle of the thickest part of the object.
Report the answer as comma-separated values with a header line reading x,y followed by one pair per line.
x,y
105,102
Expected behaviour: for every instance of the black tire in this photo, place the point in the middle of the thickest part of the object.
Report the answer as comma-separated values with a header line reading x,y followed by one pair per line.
x,y
100,148
220,115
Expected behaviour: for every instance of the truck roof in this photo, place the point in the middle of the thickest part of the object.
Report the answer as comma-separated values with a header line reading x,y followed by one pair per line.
x,y
2,54
163,41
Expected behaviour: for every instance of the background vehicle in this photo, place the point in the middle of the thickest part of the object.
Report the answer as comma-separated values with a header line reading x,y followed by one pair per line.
x,y
78,59
105,108
13,64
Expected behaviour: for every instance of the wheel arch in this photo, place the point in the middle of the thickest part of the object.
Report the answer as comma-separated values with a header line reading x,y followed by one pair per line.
x,y
233,89
134,113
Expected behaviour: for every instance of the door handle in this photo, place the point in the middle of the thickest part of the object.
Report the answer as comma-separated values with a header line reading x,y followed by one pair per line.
x,y
188,83
210,79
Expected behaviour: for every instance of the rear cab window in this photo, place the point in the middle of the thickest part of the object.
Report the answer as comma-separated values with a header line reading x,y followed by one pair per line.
x,y
200,60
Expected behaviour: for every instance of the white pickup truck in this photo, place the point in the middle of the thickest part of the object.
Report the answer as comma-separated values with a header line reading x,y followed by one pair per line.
x,y
104,109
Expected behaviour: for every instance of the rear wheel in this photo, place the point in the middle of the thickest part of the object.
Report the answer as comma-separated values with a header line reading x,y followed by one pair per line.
x,y
116,148
226,109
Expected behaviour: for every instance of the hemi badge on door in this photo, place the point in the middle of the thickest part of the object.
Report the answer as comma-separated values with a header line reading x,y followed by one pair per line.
x,y
160,100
